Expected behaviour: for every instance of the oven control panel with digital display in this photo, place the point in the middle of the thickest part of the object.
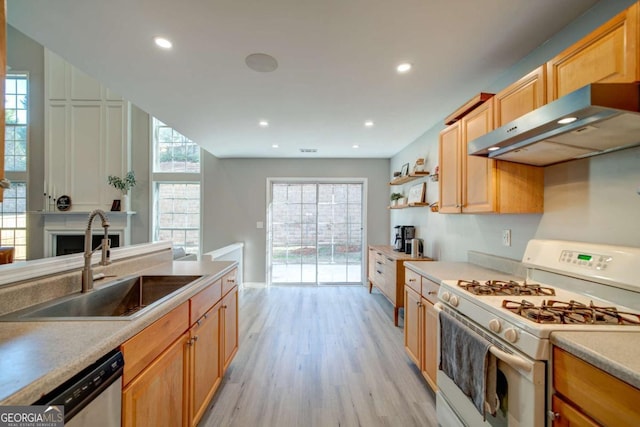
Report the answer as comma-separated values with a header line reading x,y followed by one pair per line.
x,y
586,260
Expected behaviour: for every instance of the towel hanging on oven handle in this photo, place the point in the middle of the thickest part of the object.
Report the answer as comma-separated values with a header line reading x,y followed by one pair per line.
x,y
509,359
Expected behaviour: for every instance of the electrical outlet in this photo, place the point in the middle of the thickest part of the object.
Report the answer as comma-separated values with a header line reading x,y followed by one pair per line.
x,y
506,237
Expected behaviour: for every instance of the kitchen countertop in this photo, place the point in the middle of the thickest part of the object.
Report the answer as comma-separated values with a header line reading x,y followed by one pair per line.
x,y
35,357
614,352
443,270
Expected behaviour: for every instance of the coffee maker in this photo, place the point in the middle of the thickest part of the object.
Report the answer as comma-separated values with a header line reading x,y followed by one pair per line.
x,y
403,235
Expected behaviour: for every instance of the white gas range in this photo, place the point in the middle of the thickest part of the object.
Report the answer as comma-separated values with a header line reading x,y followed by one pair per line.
x,y
570,286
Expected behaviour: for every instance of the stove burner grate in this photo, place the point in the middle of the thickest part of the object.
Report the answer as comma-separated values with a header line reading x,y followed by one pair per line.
x,y
571,312
505,288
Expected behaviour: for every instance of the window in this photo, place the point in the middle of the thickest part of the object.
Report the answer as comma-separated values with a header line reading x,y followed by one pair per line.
x,y
176,188
13,224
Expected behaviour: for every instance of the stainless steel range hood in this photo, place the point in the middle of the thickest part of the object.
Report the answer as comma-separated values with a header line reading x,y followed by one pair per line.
x,y
607,118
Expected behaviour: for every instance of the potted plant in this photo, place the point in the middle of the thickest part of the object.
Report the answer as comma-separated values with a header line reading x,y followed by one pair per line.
x,y
124,185
395,197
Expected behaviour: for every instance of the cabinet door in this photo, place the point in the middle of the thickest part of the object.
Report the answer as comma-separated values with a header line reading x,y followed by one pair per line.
x,y
521,97
609,54
429,365
479,173
206,369
158,396
450,173
412,324
230,327
567,416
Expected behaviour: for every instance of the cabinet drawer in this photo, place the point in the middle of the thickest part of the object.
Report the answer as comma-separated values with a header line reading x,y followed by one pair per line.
x,y
140,350
430,290
204,300
413,280
601,396
229,281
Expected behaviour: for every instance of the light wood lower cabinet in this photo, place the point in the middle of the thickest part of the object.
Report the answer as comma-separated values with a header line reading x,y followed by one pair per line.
x,y
386,272
206,369
588,396
421,324
158,396
230,326
174,366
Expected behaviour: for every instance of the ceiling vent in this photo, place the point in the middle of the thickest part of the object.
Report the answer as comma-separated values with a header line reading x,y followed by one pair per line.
x,y
308,150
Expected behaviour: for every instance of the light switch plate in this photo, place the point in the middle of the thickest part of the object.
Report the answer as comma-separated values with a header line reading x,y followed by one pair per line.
x,y
259,224
506,237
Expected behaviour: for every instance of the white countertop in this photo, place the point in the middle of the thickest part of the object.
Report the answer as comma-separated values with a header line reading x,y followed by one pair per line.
x,y
35,357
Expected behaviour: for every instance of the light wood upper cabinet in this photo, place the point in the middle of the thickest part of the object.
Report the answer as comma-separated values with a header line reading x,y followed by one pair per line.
x,y
478,173
609,54
449,181
471,184
521,97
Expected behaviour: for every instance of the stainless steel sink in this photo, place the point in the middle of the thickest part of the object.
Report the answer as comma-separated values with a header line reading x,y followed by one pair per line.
x,y
125,298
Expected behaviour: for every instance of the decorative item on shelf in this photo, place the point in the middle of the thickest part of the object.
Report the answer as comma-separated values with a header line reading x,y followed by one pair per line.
x,y
419,166
435,207
416,193
396,174
5,183
405,170
124,185
63,203
395,197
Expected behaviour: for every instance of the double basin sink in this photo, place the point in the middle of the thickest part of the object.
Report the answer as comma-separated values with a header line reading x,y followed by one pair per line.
x,y
123,299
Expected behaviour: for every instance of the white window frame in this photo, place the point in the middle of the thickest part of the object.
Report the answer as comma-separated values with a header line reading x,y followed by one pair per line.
x,y
170,178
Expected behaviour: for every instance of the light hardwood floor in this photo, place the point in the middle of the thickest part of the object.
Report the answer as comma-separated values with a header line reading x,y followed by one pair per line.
x,y
320,356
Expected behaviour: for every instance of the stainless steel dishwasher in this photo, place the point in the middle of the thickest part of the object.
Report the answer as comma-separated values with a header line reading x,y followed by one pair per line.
x,y
93,397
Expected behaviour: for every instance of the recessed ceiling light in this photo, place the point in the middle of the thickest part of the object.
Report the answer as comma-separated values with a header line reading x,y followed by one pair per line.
x,y
493,148
356,146
567,120
275,146
404,67
368,123
162,42
263,123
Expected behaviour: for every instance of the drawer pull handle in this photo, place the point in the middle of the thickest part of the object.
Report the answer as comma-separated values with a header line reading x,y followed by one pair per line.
x,y
412,280
195,338
432,292
224,306
231,280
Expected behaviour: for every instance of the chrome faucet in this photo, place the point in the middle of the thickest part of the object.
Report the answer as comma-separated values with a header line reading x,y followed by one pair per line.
x,y
87,273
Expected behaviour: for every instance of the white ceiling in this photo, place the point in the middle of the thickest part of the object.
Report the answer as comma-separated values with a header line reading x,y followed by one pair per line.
x,y
336,58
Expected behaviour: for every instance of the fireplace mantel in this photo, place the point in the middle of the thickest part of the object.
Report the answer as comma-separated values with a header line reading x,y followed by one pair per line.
x,y
75,223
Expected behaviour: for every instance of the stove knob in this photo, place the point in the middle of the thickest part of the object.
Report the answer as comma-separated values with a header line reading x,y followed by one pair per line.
x,y
494,325
445,296
453,300
511,335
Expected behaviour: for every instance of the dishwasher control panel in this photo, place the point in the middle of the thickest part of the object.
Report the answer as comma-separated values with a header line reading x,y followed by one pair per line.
x,y
81,389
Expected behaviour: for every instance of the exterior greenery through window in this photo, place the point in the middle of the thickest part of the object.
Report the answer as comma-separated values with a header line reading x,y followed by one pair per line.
x,y
13,227
176,188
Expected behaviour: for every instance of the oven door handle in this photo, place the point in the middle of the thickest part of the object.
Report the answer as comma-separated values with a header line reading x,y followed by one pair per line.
x,y
510,359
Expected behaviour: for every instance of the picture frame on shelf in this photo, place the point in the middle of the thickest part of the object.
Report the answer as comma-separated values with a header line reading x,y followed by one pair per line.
x,y
416,193
405,170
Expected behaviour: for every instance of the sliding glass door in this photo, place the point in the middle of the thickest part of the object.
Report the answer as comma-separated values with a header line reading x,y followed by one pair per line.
x,y
315,232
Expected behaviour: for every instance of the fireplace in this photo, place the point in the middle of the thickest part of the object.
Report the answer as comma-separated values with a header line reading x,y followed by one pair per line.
x,y
66,244
64,231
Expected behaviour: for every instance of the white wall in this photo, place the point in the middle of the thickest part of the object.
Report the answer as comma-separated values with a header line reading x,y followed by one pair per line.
x,y
588,200
235,199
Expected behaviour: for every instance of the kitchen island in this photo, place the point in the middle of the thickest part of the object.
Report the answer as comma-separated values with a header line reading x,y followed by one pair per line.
x,y
35,357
